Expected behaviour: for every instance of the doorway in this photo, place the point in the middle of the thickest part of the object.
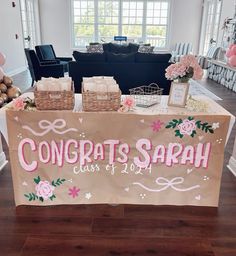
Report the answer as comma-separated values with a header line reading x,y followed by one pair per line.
x,y
210,24
30,23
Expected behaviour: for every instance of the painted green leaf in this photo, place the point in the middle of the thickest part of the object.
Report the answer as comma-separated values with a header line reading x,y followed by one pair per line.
x,y
37,180
211,130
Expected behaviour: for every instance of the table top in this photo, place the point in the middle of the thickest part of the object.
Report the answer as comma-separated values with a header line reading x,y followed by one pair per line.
x,y
213,108
222,64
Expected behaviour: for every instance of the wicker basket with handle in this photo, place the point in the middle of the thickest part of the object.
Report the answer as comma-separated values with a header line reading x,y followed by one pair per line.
x,y
54,100
100,101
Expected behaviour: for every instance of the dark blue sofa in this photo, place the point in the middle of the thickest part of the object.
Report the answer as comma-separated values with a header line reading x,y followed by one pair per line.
x,y
129,69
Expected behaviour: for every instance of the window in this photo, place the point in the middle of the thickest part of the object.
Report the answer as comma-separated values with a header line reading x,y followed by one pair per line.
x,y
140,20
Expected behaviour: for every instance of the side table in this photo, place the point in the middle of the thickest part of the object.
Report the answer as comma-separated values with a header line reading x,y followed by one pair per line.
x,y
223,74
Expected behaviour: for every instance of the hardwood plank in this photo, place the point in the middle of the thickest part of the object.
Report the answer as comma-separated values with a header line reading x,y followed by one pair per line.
x,y
45,225
12,244
165,227
74,246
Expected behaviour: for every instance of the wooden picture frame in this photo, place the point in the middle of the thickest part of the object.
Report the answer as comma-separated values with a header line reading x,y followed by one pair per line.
x,y
178,94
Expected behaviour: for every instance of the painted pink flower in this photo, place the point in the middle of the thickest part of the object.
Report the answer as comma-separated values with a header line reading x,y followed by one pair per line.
x,y
129,102
18,104
187,127
123,109
74,192
44,189
156,125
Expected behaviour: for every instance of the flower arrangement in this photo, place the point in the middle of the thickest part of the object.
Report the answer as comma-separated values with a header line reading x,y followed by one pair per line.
x,y
127,104
22,104
187,68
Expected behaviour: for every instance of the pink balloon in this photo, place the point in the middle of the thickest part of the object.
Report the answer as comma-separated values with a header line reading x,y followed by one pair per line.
x,y
2,59
229,53
1,73
233,50
230,47
232,61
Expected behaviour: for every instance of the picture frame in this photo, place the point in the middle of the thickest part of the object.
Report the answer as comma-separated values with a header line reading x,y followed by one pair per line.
x,y
178,94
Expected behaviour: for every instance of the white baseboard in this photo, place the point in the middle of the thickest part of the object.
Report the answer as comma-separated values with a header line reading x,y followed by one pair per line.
x,y
232,165
16,71
3,160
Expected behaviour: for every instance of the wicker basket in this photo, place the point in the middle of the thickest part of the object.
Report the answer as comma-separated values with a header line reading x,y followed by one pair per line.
x,y
100,101
54,100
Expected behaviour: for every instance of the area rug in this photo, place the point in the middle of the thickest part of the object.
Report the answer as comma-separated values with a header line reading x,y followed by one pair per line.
x,y
197,89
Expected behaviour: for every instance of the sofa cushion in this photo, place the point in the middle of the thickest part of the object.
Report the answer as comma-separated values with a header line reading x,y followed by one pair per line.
x,y
152,57
89,57
119,48
106,47
133,47
120,57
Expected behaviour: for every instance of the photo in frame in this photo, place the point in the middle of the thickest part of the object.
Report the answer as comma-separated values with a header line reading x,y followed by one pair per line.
x,y
178,94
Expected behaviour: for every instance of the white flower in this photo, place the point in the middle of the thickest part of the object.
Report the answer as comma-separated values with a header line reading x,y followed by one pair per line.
x,y
215,126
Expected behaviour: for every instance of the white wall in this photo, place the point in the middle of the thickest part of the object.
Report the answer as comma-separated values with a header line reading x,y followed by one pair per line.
x,y
186,22
55,25
13,48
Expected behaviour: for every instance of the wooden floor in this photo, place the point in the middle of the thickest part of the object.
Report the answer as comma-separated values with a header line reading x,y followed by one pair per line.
x,y
124,229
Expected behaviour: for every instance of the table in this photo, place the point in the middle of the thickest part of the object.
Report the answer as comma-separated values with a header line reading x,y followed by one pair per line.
x,y
222,73
161,155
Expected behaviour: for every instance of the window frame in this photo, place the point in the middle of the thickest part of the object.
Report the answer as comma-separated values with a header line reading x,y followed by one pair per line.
x,y
120,24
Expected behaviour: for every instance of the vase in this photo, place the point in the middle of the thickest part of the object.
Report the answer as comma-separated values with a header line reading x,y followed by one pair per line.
x,y
178,93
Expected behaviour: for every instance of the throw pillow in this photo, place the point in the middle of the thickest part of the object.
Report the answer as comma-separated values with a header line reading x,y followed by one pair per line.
x,y
89,57
145,49
94,48
120,57
119,48
152,57
133,47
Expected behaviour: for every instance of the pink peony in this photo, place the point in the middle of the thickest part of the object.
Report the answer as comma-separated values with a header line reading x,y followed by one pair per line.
x,y
18,104
44,189
187,127
189,61
188,67
129,102
197,73
175,71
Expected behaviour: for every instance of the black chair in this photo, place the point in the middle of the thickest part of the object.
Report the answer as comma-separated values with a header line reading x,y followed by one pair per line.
x,y
46,53
37,70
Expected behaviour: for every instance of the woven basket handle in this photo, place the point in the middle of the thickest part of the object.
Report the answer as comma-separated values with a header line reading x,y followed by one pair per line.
x,y
154,84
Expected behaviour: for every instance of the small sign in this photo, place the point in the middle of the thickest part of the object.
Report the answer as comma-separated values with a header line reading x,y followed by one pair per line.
x,y
178,94
120,38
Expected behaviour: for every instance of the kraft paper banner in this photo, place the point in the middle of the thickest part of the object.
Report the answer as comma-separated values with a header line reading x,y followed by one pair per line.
x,y
89,158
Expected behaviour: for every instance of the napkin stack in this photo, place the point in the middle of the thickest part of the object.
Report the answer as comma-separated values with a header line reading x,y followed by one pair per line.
x,y
100,84
54,84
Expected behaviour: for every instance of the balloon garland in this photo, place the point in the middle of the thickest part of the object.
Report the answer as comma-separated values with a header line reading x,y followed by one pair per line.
x,y
8,91
231,55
